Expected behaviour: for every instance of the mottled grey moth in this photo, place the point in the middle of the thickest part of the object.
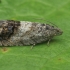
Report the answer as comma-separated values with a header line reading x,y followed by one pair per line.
x,y
19,33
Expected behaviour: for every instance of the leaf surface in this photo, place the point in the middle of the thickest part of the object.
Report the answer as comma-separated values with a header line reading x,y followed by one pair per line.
x,y
41,57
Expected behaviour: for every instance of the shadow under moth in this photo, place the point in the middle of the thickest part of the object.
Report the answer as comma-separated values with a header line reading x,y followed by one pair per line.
x,y
19,33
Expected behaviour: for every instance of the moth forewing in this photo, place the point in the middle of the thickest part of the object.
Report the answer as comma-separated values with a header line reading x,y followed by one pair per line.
x,y
19,33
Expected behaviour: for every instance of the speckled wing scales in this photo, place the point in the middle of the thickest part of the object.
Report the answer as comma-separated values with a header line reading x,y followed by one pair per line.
x,y
19,33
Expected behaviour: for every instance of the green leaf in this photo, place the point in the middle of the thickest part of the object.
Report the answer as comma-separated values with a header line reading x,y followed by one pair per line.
x,y
41,57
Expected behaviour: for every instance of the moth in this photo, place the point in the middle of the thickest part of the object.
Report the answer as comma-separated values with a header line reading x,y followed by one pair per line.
x,y
19,33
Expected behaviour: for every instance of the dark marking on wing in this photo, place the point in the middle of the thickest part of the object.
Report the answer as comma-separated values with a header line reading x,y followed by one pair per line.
x,y
8,28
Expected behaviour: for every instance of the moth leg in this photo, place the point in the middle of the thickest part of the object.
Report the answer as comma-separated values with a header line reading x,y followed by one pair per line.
x,y
32,46
48,42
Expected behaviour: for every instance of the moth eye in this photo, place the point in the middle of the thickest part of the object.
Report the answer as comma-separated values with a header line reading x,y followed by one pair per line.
x,y
53,26
57,30
47,27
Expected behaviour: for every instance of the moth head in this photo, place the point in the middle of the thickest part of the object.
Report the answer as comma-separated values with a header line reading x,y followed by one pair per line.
x,y
54,30
57,31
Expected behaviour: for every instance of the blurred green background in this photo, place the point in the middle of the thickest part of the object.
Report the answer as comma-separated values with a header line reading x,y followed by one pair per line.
x,y
41,57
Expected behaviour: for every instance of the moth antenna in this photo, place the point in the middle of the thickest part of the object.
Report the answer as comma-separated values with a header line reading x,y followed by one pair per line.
x,y
45,20
32,46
